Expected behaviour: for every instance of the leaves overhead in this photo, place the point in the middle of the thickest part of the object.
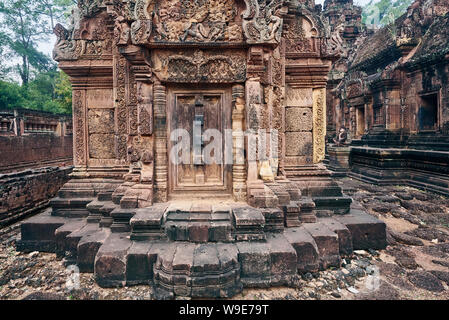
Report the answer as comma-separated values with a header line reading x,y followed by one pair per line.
x,y
23,25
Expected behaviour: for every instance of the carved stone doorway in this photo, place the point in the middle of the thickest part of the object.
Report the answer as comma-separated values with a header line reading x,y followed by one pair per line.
x,y
192,114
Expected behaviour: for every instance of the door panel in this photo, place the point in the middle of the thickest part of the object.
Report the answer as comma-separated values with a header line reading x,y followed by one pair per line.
x,y
205,109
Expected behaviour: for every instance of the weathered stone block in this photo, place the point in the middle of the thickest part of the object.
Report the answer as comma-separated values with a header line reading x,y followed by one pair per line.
x,y
344,235
306,249
138,268
298,119
327,243
255,260
110,262
101,146
367,232
283,259
88,247
298,144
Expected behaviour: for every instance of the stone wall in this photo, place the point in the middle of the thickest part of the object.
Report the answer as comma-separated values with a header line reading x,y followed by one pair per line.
x,y
36,156
33,151
33,139
25,192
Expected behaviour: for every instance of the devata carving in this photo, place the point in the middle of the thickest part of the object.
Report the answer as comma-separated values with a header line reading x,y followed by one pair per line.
x,y
262,21
200,67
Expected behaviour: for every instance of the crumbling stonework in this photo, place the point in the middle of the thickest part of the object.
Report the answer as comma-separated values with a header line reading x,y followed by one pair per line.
x,y
36,158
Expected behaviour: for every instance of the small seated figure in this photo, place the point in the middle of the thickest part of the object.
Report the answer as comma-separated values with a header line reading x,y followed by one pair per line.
x,y
341,138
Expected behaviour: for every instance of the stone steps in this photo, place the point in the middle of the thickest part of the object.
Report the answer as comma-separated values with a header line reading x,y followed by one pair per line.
x,y
212,269
70,207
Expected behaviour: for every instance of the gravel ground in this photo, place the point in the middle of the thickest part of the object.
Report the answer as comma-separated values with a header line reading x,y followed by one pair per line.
x,y
415,264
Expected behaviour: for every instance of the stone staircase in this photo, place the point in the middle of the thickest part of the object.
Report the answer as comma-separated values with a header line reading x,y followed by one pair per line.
x,y
197,249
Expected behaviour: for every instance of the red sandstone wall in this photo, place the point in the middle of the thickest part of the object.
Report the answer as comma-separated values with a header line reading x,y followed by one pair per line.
x,y
23,192
35,150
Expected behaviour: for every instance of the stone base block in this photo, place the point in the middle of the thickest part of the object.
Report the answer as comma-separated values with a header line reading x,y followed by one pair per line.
x,y
111,261
367,232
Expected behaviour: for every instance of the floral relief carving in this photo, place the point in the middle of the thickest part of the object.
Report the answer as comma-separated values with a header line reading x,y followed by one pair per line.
x,y
199,67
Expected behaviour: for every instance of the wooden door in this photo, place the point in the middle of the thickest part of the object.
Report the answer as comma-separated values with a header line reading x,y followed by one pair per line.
x,y
196,112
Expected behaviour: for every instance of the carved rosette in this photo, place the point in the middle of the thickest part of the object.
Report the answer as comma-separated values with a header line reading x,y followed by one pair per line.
x,y
319,124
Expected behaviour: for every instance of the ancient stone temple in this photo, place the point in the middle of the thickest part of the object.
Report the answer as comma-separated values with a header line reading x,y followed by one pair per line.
x,y
394,100
147,74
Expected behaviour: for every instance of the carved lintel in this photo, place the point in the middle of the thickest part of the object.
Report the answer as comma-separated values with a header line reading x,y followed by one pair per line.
x,y
199,66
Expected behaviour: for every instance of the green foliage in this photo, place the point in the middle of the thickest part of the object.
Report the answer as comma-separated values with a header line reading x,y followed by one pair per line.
x,y
10,95
49,91
384,12
24,24
63,92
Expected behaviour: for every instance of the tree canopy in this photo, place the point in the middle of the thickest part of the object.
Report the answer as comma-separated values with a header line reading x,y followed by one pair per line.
x,y
28,77
384,12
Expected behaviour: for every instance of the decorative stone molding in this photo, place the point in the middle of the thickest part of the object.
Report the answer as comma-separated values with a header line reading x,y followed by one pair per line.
x,y
200,66
79,127
319,124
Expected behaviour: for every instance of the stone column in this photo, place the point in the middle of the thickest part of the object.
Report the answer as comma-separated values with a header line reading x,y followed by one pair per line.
x,y
161,157
238,138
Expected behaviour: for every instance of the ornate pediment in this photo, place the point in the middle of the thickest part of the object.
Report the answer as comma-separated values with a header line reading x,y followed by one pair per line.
x,y
190,20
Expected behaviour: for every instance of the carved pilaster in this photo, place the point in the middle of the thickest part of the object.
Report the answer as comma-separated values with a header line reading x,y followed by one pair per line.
x,y
79,129
161,159
319,124
121,107
238,138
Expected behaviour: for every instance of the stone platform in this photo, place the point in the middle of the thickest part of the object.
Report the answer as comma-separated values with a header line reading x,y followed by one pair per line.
x,y
196,249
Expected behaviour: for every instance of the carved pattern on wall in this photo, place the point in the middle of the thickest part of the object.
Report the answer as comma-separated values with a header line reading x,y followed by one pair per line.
x,y
195,21
202,67
295,37
132,104
262,21
121,107
319,124
354,90
65,48
141,31
79,115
